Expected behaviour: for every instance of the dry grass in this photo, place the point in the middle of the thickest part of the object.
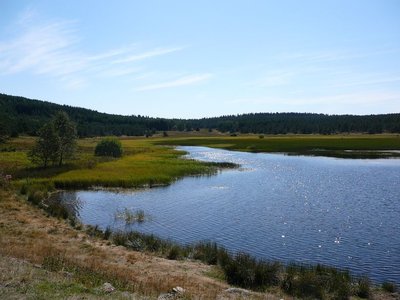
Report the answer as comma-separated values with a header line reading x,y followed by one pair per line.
x,y
27,234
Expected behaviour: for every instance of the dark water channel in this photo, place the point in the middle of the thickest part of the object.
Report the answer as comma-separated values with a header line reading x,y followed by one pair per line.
x,y
339,212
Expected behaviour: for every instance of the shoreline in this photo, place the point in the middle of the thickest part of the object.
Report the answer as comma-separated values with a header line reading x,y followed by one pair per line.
x,y
18,238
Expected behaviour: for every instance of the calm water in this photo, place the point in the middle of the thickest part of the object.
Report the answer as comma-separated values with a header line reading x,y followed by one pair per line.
x,y
339,212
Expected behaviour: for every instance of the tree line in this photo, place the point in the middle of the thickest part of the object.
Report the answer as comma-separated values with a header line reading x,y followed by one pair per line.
x,y
19,115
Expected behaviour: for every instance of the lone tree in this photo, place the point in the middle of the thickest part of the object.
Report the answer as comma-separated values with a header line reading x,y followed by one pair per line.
x,y
46,147
56,141
66,132
108,147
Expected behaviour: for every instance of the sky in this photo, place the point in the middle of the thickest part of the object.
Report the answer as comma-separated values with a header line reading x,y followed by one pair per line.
x,y
194,59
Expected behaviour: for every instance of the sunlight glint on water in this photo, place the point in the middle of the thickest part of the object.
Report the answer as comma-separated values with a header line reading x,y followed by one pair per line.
x,y
338,212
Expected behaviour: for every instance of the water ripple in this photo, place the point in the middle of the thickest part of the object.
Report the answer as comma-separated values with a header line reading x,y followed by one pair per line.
x,y
343,213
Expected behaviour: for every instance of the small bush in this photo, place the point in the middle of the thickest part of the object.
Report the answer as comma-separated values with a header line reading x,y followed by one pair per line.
x,y
109,147
363,288
36,196
210,253
174,253
24,189
107,233
389,287
248,272
58,210
241,271
120,238
316,282
94,231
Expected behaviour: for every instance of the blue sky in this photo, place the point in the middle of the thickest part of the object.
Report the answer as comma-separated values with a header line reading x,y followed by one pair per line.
x,y
204,58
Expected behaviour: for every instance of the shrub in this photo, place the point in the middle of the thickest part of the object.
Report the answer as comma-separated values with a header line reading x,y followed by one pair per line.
x,y
210,253
363,287
248,272
109,147
316,282
36,196
107,233
389,287
174,253
241,271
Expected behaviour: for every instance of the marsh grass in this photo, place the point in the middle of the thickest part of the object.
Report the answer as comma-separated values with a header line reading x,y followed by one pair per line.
x,y
157,166
143,164
363,287
363,146
147,163
389,287
130,216
90,269
243,270
317,282
248,272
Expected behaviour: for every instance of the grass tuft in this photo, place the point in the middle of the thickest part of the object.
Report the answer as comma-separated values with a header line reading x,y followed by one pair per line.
x,y
389,287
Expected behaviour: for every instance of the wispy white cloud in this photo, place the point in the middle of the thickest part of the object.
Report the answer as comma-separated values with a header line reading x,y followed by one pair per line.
x,y
113,53
275,78
53,49
186,80
41,49
148,54
360,80
332,55
118,72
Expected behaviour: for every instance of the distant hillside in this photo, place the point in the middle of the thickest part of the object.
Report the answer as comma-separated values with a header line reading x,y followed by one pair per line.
x,y
25,116
19,115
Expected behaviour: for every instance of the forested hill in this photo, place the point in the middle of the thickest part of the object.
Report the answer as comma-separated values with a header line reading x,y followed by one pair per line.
x,y
25,116
20,115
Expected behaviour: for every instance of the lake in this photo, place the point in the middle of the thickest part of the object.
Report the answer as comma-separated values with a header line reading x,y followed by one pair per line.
x,y
339,212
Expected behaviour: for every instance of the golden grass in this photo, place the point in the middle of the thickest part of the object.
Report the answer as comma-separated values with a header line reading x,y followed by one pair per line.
x,y
158,165
142,164
71,250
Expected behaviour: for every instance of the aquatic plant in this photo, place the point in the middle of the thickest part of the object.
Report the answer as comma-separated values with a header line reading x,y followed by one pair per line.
x,y
130,216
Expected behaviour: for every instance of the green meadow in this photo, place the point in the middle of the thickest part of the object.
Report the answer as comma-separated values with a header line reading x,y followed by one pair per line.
x,y
152,161
346,146
143,164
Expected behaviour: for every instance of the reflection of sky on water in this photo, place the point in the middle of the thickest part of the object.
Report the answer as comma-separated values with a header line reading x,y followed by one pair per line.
x,y
292,208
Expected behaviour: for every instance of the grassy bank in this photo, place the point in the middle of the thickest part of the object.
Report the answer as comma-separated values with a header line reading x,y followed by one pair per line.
x,y
47,257
346,146
296,280
43,257
143,164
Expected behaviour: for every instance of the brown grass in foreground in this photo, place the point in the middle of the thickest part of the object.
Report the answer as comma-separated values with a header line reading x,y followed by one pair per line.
x,y
28,235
